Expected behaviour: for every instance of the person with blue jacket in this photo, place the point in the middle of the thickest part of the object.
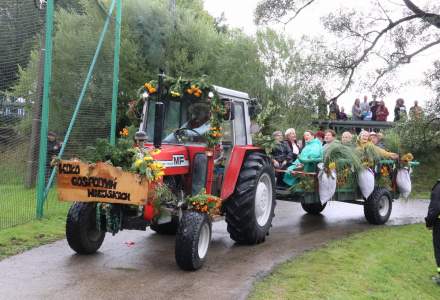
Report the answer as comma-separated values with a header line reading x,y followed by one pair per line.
x,y
312,150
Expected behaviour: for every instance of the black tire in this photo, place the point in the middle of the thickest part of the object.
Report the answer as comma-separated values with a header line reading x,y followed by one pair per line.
x,y
377,208
188,237
313,208
243,225
167,228
81,232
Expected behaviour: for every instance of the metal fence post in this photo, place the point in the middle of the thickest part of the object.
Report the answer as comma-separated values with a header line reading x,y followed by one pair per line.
x,y
116,70
45,108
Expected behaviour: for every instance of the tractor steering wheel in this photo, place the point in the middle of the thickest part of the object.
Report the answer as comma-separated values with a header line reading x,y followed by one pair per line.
x,y
180,133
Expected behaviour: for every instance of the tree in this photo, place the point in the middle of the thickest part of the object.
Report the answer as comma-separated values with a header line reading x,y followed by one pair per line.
x,y
293,77
20,21
390,35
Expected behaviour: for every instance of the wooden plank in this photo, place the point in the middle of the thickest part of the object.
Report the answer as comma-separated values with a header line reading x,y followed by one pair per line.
x,y
100,182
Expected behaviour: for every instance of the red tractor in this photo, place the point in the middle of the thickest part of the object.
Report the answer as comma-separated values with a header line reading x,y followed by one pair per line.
x,y
235,171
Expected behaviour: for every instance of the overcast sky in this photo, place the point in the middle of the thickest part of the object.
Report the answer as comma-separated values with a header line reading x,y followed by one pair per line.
x,y
239,13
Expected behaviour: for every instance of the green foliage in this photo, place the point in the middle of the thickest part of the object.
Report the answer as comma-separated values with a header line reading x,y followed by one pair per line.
x,y
419,136
369,155
119,155
342,156
264,138
392,141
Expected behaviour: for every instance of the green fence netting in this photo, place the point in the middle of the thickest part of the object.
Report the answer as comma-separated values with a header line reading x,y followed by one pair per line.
x,y
76,32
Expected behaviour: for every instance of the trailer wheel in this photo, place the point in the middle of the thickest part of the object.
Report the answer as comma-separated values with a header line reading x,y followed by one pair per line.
x,y
377,208
192,240
313,208
167,228
81,232
250,211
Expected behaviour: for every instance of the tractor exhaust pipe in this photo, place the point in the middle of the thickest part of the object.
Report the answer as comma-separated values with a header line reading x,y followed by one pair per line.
x,y
158,124
159,112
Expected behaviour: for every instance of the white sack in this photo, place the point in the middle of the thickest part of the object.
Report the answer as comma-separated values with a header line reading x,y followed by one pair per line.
x,y
366,182
327,186
403,181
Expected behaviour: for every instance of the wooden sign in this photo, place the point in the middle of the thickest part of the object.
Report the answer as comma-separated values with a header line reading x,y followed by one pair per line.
x,y
100,182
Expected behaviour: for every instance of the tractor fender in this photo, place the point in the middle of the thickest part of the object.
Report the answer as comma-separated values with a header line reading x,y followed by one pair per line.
x,y
232,171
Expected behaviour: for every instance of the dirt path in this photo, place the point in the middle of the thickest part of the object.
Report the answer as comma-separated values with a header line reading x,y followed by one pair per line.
x,y
146,270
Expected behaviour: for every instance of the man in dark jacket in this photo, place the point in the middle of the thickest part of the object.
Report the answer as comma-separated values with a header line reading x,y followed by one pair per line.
x,y
53,148
433,222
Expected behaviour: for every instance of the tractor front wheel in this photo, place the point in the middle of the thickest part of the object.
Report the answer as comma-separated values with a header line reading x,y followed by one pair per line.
x,y
81,232
192,240
377,208
250,211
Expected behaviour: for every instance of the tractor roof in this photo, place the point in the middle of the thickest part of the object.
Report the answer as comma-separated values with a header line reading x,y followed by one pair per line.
x,y
228,93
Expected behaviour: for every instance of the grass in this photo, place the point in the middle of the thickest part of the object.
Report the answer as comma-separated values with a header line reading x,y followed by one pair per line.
x,y
20,238
384,263
18,205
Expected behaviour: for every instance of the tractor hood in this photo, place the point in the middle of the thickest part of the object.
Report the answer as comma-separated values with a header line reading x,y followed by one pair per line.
x,y
175,158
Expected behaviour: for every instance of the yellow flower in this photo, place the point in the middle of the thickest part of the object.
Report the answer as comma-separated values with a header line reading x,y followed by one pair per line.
x,y
332,165
155,152
148,158
138,163
407,157
124,132
156,166
175,94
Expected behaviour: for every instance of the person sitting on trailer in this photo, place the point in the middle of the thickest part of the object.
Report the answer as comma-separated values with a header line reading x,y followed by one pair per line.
x,y
312,150
364,141
329,137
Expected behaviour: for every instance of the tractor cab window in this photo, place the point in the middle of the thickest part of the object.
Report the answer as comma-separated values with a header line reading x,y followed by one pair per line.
x,y
239,124
184,121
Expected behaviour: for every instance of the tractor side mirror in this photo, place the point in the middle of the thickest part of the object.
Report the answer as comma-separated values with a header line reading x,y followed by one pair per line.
x,y
230,111
254,108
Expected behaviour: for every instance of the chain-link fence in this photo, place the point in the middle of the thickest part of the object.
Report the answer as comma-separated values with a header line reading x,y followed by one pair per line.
x,y
76,36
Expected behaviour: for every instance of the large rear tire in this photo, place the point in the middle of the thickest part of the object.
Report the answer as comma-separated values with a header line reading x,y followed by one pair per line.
x,y
377,208
81,232
313,208
192,240
250,211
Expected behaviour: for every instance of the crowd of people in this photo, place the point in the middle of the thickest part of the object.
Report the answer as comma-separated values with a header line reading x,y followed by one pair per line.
x,y
289,152
374,110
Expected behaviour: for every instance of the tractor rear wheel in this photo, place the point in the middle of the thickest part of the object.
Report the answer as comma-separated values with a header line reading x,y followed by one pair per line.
x,y
167,228
192,240
250,211
377,208
81,232
313,208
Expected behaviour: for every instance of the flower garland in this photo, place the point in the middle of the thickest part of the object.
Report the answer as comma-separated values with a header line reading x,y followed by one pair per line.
x,y
144,165
199,90
205,203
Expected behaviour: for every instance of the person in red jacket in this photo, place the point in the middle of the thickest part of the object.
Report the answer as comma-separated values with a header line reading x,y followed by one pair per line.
x,y
381,112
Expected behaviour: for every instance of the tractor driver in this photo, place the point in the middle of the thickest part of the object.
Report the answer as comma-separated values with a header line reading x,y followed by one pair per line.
x,y
197,125
199,118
